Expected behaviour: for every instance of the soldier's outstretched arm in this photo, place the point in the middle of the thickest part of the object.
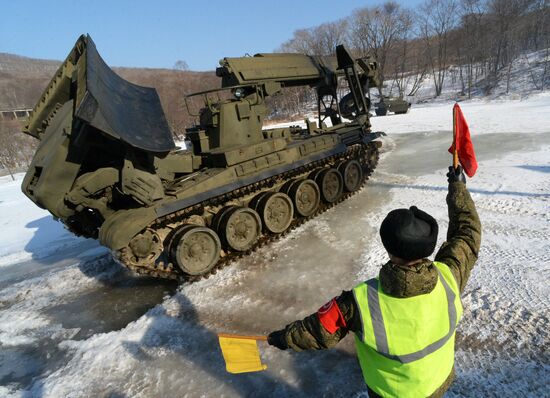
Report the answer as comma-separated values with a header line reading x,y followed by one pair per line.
x,y
461,249
321,330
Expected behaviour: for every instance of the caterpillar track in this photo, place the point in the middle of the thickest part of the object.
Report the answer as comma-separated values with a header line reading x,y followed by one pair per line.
x,y
367,154
108,168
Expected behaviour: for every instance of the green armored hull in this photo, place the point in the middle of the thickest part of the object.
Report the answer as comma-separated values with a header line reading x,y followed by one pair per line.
x,y
396,105
108,168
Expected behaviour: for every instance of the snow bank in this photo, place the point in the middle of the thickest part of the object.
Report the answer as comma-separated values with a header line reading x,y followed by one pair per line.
x,y
27,231
509,116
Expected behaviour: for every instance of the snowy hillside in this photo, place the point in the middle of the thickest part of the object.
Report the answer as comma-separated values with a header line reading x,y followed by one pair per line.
x,y
525,77
74,323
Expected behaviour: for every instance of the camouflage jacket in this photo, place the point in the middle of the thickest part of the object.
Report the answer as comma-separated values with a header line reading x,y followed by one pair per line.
x,y
459,252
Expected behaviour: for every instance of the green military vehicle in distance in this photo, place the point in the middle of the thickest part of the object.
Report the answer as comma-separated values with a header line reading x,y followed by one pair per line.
x,y
108,168
391,104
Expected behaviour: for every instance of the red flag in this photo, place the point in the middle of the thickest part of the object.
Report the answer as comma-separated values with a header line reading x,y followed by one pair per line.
x,y
464,146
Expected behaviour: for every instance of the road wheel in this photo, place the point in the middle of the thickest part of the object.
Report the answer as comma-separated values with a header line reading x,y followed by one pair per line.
x,y
217,219
352,173
276,211
305,196
145,248
240,228
331,183
195,249
253,204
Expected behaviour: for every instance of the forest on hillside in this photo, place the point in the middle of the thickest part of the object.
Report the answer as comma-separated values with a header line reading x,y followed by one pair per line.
x,y
472,42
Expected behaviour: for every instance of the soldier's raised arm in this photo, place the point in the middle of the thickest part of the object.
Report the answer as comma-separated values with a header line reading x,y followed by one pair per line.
x,y
461,249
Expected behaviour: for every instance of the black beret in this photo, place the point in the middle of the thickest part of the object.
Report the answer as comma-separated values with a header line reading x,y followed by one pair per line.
x,y
409,234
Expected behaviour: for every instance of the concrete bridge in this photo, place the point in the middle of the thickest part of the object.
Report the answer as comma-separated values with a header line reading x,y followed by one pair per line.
x,y
15,114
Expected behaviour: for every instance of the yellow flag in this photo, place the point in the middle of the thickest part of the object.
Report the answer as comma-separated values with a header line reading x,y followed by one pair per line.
x,y
241,353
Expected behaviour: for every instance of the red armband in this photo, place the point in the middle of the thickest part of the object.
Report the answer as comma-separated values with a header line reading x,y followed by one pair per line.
x,y
331,317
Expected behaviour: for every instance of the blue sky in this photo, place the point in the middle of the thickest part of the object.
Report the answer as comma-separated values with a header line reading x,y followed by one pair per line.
x,y
158,33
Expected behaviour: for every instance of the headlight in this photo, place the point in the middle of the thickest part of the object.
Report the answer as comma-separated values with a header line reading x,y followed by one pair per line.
x,y
239,92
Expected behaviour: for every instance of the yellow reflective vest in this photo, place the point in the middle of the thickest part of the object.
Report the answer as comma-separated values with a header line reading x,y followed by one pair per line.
x,y
406,347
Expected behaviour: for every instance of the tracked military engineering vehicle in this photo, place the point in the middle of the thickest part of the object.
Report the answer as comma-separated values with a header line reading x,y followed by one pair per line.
x,y
108,168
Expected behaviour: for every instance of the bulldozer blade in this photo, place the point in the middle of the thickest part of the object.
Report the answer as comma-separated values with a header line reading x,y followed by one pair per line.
x,y
105,101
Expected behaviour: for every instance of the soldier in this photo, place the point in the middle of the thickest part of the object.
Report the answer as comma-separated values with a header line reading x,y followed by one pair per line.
x,y
404,321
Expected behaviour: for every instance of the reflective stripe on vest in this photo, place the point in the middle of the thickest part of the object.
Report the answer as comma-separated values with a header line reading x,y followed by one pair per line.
x,y
380,330
406,346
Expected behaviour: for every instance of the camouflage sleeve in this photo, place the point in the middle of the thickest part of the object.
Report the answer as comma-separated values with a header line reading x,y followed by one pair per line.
x,y
461,249
310,334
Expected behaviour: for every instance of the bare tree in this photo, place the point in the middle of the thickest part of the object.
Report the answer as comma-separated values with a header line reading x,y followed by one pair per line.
x,y
377,30
471,41
181,65
437,20
10,146
539,68
330,35
414,79
540,26
504,18
319,40
403,62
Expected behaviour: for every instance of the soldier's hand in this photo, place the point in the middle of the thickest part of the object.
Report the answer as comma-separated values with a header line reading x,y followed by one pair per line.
x,y
456,175
277,339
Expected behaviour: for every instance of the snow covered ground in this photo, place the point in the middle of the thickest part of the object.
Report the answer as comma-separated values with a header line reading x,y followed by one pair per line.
x,y
27,231
512,116
73,323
